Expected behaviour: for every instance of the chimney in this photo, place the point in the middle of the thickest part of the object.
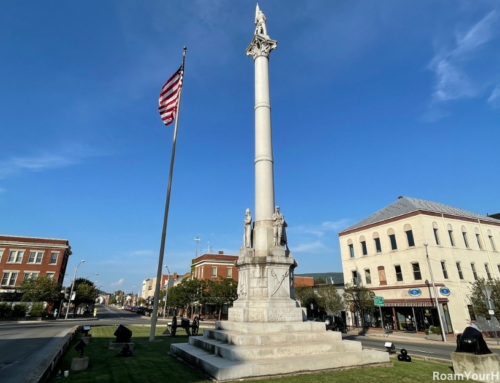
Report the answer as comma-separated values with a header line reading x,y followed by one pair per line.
x,y
221,252
400,197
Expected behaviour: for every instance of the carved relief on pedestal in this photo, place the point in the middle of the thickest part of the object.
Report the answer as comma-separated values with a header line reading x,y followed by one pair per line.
x,y
242,285
278,283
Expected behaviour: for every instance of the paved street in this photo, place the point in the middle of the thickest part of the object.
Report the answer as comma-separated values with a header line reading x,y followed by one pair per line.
x,y
24,345
433,350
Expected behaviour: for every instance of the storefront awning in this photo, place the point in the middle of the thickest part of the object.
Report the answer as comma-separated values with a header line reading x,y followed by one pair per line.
x,y
416,302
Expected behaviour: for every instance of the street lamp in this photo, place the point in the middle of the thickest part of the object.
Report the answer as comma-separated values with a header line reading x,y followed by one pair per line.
x,y
87,277
435,293
166,291
72,286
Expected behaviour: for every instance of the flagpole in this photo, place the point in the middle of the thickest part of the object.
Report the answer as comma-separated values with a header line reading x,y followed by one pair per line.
x,y
165,217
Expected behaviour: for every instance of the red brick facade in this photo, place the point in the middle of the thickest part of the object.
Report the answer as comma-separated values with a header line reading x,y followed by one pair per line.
x,y
22,257
213,266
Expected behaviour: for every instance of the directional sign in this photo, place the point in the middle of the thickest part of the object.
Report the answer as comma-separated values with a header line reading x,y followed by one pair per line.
x,y
379,301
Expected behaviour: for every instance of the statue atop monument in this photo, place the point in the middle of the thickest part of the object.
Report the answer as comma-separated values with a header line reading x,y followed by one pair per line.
x,y
247,237
260,22
279,225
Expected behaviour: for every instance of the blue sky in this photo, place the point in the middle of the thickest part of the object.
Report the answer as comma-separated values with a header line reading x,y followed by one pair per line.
x,y
371,100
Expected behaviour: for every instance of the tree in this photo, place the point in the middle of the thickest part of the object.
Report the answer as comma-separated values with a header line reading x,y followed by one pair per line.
x,y
330,300
478,298
319,281
188,292
221,291
40,289
86,293
359,299
305,295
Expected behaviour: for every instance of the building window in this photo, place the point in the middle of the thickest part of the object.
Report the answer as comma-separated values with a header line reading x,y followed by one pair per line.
x,y
30,275
15,256
394,245
50,275
487,268
53,258
363,247
465,239
202,268
409,236
351,250
459,268
450,233
9,278
229,272
474,272
478,237
491,242
399,273
354,277
445,272
368,277
1,252
417,275
377,245
381,276
214,272
436,236
35,257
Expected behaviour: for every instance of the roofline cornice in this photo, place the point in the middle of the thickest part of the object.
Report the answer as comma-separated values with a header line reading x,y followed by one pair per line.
x,y
417,212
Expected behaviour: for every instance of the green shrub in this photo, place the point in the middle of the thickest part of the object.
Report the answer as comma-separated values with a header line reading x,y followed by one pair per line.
x,y
5,309
38,310
435,330
20,310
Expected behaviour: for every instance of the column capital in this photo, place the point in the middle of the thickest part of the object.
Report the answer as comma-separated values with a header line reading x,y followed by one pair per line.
x,y
261,45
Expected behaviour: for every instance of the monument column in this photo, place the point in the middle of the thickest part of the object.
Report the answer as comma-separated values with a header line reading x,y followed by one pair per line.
x,y
260,48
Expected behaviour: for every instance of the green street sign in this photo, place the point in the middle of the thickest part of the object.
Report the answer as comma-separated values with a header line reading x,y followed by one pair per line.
x,y
379,301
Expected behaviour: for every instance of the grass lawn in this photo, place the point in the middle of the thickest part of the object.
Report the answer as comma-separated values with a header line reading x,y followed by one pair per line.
x,y
151,363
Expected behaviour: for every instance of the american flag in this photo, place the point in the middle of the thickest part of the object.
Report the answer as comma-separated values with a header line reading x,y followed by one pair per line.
x,y
169,97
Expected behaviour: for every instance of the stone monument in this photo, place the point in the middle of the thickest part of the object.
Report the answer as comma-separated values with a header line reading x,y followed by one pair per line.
x,y
267,332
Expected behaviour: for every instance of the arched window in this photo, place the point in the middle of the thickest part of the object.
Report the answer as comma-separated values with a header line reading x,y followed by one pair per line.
x,y
363,245
450,233
376,238
392,238
478,238
487,268
351,248
436,234
409,235
464,235
492,243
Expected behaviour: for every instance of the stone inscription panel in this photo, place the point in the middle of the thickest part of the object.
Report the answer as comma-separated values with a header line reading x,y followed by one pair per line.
x,y
284,315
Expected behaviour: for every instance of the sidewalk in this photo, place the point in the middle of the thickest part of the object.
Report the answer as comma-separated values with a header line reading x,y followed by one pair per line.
x,y
395,335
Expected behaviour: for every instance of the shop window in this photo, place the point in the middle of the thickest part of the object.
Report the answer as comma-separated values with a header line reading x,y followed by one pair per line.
x,y
445,272
351,250
399,273
487,268
417,275
459,269
474,272
394,245
368,277
363,247
381,276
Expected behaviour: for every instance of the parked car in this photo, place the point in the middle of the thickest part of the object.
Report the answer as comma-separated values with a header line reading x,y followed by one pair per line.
x,y
334,323
140,311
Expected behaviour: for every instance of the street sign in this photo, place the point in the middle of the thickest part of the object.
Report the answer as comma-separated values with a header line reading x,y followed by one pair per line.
x,y
73,295
415,292
444,291
379,301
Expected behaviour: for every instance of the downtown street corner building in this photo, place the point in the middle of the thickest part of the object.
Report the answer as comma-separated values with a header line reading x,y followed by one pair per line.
x,y
385,253
30,257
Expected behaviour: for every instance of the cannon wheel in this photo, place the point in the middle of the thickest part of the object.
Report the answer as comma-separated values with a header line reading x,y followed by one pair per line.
x,y
196,326
174,325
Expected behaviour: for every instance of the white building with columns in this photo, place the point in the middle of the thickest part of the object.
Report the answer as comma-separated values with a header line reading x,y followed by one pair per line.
x,y
385,252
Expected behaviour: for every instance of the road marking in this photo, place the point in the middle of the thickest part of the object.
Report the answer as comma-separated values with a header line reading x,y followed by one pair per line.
x,y
425,352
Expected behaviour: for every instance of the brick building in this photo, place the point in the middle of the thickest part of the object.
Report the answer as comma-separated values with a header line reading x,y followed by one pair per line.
x,y
30,257
213,266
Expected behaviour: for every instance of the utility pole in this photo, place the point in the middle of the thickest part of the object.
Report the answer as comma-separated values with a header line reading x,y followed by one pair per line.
x,y
435,293
72,286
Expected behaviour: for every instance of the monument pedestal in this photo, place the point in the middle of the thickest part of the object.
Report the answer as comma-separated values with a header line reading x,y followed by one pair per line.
x,y
483,368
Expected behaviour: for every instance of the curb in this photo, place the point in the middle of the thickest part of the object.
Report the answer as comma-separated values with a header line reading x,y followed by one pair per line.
x,y
44,369
420,357
425,341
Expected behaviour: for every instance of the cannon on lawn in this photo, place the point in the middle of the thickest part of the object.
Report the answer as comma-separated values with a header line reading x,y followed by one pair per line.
x,y
191,328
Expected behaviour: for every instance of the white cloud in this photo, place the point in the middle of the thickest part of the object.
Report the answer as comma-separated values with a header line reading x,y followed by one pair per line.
x,y
118,283
449,65
312,247
494,99
66,156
